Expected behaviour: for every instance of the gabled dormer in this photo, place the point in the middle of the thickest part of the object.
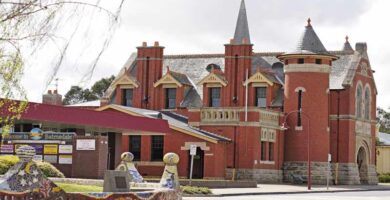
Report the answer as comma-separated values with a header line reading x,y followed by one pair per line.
x,y
124,89
262,88
212,86
172,88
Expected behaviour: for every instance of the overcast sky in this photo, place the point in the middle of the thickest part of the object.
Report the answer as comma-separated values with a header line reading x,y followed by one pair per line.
x,y
203,26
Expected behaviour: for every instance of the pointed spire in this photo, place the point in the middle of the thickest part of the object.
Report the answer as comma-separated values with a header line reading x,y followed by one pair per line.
x,y
347,46
241,35
309,42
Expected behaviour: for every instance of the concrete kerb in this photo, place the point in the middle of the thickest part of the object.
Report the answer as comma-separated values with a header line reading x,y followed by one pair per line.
x,y
385,187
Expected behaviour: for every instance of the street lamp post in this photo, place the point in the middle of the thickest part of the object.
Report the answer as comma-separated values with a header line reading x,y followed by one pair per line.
x,y
285,127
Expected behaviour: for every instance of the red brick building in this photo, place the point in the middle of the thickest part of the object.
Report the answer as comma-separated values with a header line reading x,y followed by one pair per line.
x,y
237,102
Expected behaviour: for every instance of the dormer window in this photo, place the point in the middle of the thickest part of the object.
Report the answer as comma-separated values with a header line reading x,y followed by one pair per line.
x,y
215,97
261,97
127,97
170,98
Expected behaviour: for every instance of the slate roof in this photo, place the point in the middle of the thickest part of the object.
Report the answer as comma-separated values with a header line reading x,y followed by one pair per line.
x,y
347,46
194,68
242,27
309,43
181,78
175,120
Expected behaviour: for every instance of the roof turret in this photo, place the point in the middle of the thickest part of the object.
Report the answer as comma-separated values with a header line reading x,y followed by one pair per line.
x,y
241,35
347,46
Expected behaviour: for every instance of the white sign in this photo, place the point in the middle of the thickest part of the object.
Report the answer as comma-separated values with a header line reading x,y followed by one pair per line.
x,y
65,159
65,149
192,150
50,158
37,158
329,157
85,144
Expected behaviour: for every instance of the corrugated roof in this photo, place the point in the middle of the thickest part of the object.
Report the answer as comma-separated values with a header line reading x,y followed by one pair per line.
x,y
86,117
173,119
384,138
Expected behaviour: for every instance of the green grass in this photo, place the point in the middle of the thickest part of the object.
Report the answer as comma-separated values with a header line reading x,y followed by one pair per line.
x,y
384,178
68,187
195,190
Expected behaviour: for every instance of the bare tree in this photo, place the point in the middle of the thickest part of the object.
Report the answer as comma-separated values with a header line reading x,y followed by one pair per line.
x,y
27,27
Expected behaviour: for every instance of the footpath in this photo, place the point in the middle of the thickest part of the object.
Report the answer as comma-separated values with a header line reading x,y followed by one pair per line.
x,y
266,189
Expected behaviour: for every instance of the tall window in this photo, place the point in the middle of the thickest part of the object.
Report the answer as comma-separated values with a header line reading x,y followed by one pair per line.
x,y
359,98
270,151
135,146
157,147
263,153
261,97
367,103
170,98
127,95
215,97
299,121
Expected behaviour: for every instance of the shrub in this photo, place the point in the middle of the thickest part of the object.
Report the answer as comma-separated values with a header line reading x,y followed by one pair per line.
x,y
195,190
384,178
48,169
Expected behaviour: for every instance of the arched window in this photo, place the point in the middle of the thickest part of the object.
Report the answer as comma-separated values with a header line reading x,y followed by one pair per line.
x,y
359,98
367,102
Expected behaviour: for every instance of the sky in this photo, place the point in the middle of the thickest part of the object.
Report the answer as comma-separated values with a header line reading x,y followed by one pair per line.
x,y
204,26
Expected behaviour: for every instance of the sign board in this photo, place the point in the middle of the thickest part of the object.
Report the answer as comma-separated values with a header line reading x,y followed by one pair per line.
x,y
50,158
38,148
7,148
329,157
192,149
19,145
85,144
37,158
116,181
51,149
65,149
65,159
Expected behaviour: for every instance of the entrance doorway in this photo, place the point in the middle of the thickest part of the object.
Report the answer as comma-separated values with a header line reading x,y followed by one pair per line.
x,y
362,163
111,151
197,170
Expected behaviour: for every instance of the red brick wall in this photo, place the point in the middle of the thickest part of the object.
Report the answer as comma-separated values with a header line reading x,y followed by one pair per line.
x,y
315,103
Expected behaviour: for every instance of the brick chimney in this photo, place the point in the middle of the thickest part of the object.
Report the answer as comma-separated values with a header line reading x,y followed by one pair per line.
x,y
52,98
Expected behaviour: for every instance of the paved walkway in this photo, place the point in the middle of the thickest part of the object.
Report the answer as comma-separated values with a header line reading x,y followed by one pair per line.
x,y
290,189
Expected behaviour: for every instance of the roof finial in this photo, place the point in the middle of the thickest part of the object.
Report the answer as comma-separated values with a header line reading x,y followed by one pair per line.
x,y
346,38
309,22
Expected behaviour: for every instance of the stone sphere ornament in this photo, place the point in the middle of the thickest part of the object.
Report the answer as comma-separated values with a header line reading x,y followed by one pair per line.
x,y
127,157
171,158
25,153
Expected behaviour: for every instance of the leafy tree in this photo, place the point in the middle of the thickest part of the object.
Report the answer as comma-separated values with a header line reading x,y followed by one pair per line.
x,y
383,120
28,26
78,95
101,86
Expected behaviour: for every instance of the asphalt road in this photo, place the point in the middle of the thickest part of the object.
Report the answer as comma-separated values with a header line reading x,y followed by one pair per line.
x,y
369,195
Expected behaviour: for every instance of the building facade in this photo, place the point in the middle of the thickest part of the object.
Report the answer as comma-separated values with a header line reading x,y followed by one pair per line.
x,y
233,107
